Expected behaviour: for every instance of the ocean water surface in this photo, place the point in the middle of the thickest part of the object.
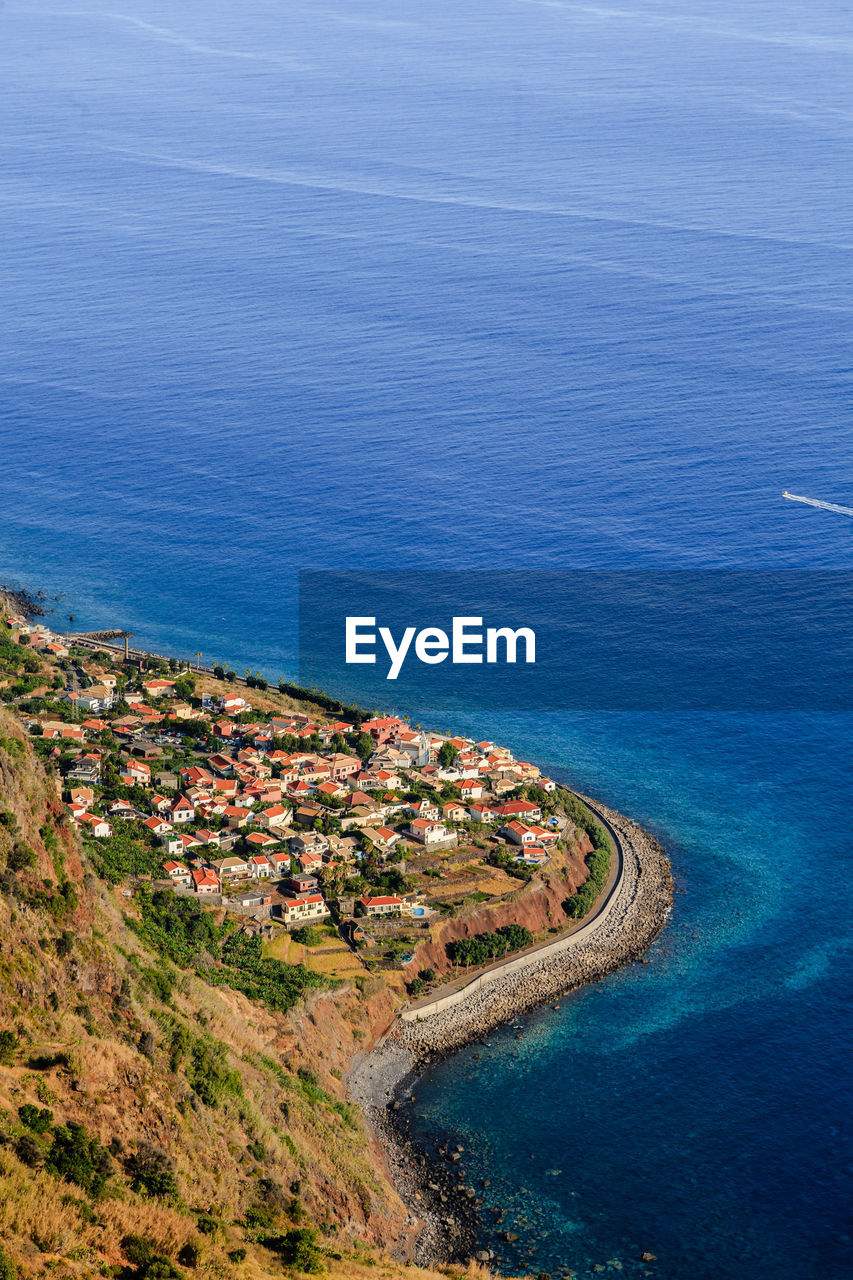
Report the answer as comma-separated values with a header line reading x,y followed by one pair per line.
x,y
499,283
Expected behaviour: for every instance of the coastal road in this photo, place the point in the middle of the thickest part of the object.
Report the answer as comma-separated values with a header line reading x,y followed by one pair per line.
x,y
460,988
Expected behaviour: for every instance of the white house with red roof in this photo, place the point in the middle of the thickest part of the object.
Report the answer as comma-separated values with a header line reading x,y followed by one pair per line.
x,y
260,866
333,789
237,815
159,688
178,873
383,905
182,810
454,811
521,834
233,705
261,840
518,833
424,809
383,837
304,909
427,831
275,816
194,776
206,881
138,772
158,825
210,839
98,827
482,813
525,810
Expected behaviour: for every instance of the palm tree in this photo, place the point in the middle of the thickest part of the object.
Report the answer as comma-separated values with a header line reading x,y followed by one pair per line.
x,y
198,660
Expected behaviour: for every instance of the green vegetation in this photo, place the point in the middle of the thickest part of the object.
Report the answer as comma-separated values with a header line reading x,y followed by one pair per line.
x,y
484,947
8,1048
59,901
15,657
507,861
147,1264
310,935
313,1092
298,1248
150,1170
78,1156
447,755
40,1121
123,855
598,863
205,1063
186,934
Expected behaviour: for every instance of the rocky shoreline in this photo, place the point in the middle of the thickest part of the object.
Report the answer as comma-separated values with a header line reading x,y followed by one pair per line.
x,y
429,1181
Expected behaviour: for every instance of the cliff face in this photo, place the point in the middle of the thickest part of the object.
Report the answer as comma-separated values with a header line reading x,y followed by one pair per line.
x,y
538,906
242,1107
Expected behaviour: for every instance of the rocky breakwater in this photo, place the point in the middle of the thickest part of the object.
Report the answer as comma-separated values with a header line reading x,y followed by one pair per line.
x,y
617,933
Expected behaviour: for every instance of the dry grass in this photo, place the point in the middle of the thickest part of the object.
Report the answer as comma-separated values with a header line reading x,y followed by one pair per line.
x,y
261,700
353,1269
342,965
32,1210
165,1228
41,1224
330,957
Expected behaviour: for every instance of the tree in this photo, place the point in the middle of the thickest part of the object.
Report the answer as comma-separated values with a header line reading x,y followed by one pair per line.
x,y
298,1248
447,755
21,857
79,1157
8,1048
151,1170
364,746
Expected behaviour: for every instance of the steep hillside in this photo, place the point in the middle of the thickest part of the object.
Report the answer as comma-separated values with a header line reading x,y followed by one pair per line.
x,y
152,1122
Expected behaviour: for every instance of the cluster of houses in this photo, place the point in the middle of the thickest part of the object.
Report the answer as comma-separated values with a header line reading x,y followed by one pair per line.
x,y
239,824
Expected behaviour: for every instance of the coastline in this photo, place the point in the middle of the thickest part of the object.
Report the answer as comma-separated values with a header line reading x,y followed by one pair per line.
x,y
431,1182
630,912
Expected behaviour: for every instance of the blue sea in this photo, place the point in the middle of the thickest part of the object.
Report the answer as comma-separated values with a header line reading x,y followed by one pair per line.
x,y
518,284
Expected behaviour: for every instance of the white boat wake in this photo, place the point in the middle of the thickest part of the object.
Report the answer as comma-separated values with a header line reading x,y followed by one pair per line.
x,y
815,502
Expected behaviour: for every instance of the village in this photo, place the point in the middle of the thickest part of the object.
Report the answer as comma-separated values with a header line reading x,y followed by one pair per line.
x,y
348,835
